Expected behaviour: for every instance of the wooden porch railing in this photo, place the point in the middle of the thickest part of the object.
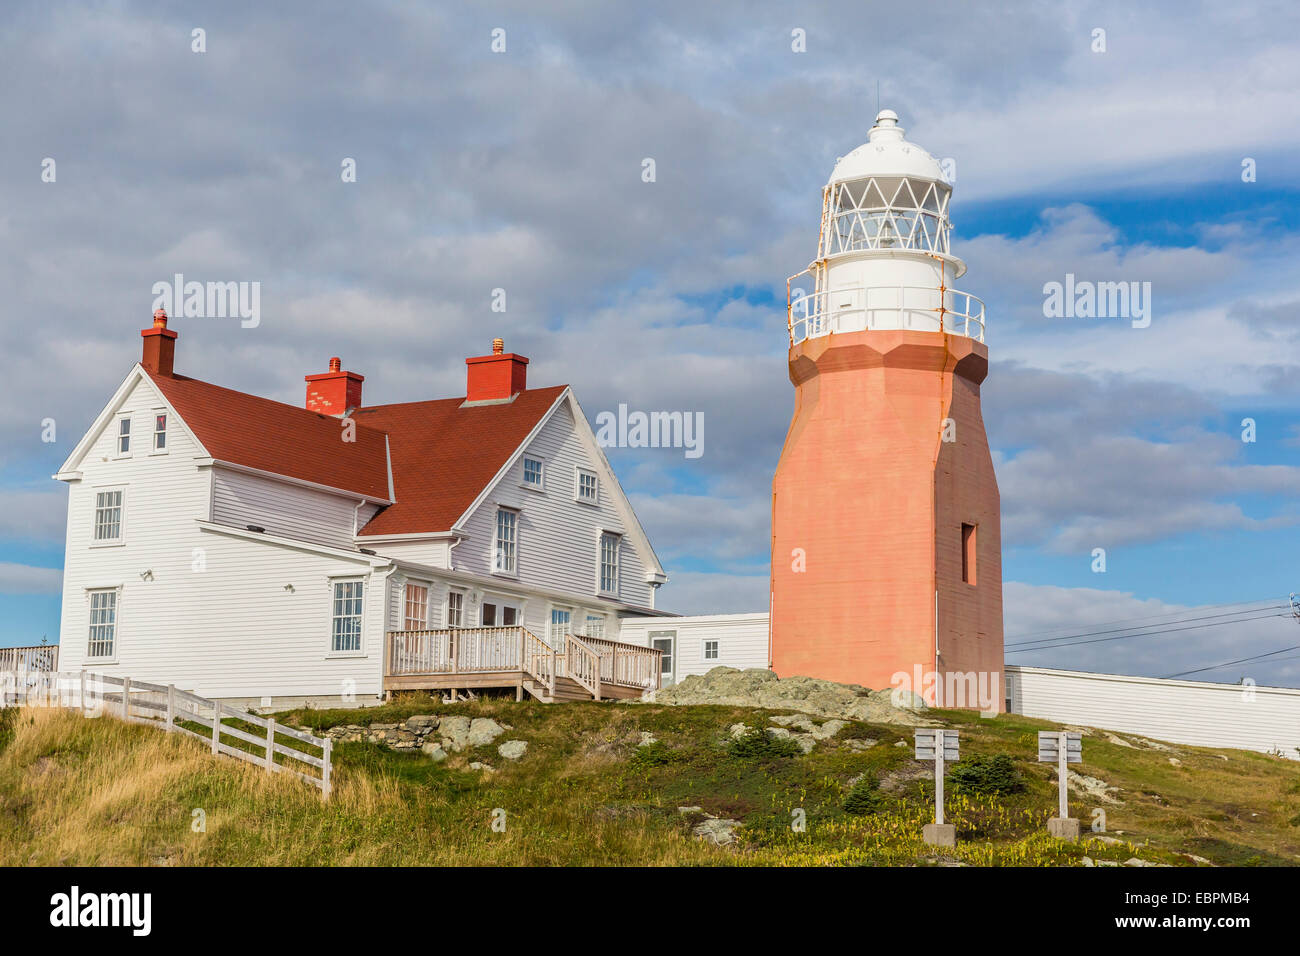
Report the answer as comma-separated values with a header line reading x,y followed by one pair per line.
x,y
455,650
582,664
42,657
540,660
591,661
629,665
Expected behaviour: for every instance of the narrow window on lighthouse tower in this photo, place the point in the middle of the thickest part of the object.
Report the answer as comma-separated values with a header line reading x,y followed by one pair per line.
x,y
968,553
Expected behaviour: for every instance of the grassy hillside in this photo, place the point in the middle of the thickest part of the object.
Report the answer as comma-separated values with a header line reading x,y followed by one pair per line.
x,y
100,792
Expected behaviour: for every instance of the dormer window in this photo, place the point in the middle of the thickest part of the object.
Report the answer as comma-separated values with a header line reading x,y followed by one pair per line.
x,y
587,487
124,436
160,431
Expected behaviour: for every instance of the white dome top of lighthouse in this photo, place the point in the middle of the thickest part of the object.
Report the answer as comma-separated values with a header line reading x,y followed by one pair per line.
x,y
886,153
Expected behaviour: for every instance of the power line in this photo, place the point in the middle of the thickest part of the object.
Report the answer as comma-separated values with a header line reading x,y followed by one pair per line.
x,y
1032,636
1101,640
1215,667
1047,642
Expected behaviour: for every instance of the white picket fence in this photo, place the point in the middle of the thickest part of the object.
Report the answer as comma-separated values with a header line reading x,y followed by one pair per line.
x,y
169,709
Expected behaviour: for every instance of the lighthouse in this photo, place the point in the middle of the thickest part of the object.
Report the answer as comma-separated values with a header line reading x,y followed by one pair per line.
x,y
886,540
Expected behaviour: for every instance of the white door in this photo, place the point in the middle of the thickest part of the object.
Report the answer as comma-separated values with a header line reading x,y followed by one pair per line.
x,y
666,641
501,612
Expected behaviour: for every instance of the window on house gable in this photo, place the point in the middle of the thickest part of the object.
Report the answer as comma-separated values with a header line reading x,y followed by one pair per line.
x,y
345,630
160,431
609,563
124,436
417,607
455,608
533,472
103,624
108,515
587,489
504,556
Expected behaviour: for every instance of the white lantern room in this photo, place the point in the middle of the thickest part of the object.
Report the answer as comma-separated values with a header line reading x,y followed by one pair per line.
x,y
884,258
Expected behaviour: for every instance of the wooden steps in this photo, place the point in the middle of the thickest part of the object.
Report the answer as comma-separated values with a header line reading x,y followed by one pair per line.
x,y
566,689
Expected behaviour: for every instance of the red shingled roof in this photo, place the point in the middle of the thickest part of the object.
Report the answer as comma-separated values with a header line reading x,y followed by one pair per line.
x,y
282,439
445,455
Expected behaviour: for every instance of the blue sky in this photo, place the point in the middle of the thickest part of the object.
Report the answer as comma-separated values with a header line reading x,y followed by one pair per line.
x,y
521,170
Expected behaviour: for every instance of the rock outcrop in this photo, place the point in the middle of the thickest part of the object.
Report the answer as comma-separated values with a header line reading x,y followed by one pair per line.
x,y
808,695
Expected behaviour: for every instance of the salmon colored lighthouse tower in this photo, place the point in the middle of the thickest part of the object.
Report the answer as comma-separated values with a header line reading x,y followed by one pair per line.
x,y
886,539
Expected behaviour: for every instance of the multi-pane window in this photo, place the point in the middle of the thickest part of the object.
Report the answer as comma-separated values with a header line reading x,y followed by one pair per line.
x,y
108,515
160,431
533,472
455,608
595,625
504,559
609,563
103,623
417,607
345,632
587,486
560,618
124,436
710,650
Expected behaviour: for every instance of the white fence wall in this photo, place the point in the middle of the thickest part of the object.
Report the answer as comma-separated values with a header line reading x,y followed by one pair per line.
x,y
742,640
1188,712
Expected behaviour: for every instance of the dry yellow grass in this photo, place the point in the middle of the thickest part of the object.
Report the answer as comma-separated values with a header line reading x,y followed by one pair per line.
x,y
100,792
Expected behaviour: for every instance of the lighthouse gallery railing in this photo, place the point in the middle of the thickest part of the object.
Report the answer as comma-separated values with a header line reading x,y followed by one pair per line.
x,y
853,309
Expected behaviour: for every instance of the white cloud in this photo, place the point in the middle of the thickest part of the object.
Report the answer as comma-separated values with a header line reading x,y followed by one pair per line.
x,y
25,579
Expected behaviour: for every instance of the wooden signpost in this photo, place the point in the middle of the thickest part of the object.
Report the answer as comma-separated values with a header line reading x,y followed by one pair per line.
x,y
1061,748
941,746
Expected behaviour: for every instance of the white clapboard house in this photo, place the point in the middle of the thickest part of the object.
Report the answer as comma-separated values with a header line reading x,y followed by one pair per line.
x,y
246,549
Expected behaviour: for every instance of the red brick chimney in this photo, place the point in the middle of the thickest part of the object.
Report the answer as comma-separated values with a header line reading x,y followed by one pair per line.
x,y
495,377
159,346
335,391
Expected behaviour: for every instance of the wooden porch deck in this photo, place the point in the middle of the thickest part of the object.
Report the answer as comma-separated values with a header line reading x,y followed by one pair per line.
x,y
587,668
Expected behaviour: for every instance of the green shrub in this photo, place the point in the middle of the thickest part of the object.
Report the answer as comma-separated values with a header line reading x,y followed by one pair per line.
x,y
986,775
657,754
865,798
758,744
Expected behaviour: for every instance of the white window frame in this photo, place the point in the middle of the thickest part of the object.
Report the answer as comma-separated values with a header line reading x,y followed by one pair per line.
x,y
118,435
593,616
460,610
406,604
617,540
115,624
670,657
557,640
360,649
578,473
540,484
510,567
166,417
717,650
121,517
